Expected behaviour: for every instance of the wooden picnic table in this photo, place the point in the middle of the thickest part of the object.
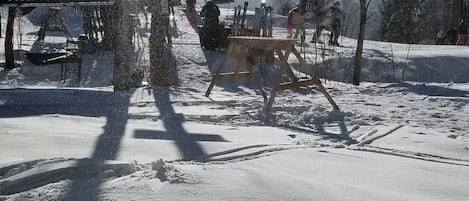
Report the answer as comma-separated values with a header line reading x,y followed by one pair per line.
x,y
241,46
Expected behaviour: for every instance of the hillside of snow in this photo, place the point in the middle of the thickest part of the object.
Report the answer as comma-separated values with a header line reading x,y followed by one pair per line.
x,y
400,135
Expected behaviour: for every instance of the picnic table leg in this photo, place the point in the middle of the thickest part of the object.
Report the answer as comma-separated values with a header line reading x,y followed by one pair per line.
x,y
303,63
243,63
284,62
217,73
269,104
283,66
214,79
313,76
326,94
259,86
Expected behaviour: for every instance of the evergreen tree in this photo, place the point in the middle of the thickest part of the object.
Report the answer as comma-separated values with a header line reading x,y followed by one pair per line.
x,y
402,20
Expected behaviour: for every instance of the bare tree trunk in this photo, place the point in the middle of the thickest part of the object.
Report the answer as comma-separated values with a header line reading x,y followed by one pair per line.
x,y
109,16
0,26
463,10
159,73
124,56
361,37
9,55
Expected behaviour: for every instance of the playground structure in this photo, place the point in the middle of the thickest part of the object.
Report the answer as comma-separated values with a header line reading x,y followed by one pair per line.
x,y
68,55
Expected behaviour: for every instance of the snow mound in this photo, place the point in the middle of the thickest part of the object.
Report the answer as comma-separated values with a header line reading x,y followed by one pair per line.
x,y
167,172
67,179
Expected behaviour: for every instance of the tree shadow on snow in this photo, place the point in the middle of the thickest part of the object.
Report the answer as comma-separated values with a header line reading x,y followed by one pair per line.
x,y
329,121
187,143
106,148
113,106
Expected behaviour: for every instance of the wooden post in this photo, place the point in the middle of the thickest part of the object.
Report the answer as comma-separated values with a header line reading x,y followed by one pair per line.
x,y
284,67
269,104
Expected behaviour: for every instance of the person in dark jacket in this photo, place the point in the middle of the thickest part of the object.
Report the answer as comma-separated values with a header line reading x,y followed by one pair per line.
x,y
295,21
313,12
335,23
190,4
210,12
211,31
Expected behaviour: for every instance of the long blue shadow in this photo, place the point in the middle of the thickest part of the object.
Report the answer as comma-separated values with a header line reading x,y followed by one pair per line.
x,y
113,106
187,144
163,135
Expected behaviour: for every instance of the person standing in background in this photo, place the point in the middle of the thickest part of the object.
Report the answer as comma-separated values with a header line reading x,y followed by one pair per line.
x,y
190,11
295,20
462,31
335,23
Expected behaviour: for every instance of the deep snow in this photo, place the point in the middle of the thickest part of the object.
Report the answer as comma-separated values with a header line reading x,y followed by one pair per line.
x,y
391,140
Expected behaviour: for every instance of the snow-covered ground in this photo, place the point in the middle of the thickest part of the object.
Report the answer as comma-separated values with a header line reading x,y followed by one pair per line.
x,y
395,138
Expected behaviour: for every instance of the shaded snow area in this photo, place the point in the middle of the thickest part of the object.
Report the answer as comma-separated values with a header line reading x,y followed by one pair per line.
x,y
400,135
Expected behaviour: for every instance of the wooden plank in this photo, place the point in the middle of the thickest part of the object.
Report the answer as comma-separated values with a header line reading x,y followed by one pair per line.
x,y
295,85
326,94
234,75
268,106
257,38
284,64
265,43
259,86
309,71
314,76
